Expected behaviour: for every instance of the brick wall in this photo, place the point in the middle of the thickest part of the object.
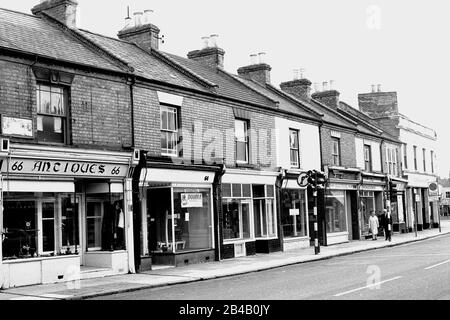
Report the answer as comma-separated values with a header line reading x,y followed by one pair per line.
x,y
100,110
348,153
209,127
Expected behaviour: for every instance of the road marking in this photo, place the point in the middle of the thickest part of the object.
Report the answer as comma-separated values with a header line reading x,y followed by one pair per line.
x,y
366,287
437,265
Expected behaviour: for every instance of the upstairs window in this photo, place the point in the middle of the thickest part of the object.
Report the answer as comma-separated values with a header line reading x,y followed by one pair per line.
x,y
415,157
432,161
336,151
405,156
169,131
241,137
367,158
294,148
424,160
52,112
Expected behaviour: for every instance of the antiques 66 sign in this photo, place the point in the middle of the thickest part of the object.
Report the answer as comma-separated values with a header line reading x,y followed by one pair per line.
x,y
63,168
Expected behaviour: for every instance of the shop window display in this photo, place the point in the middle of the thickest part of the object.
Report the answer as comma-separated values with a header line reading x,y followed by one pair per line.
x,y
264,211
336,217
236,206
367,206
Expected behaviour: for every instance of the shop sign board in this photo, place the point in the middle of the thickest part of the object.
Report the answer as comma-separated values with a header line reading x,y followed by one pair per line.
x,y
62,168
17,127
294,212
191,200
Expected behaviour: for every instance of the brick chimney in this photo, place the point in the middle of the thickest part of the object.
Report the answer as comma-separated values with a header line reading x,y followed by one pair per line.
x,y
141,32
300,88
378,104
256,71
62,10
327,96
210,55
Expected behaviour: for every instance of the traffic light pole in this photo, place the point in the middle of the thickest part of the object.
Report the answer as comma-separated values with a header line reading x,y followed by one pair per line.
x,y
316,225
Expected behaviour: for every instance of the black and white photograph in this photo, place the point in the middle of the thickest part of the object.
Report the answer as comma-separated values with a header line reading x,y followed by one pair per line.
x,y
224,155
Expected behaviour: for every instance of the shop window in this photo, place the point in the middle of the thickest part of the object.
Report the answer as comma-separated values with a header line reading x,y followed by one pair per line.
x,y
367,205
169,131
236,217
70,226
264,212
336,151
52,105
242,141
48,226
335,211
294,213
367,158
294,148
94,219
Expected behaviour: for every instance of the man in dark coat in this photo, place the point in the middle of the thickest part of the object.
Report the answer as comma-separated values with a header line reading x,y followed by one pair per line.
x,y
386,222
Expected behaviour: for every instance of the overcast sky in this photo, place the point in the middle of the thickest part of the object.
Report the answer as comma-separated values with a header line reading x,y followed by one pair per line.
x,y
402,45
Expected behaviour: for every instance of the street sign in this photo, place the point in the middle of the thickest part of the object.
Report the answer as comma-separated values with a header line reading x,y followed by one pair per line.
x,y
417,198
303,179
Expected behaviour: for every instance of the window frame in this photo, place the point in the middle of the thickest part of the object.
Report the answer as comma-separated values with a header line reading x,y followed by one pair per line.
x,y
405,156
174,110
424,160
246,140
367,162
65,118
270,220
432,160
336,156
296,165
415,157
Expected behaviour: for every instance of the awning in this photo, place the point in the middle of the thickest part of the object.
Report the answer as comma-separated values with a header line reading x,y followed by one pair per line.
x,y
38,186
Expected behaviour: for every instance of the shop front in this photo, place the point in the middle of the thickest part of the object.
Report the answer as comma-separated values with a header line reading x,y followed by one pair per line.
x,y
249,214
178,225
423,207
62,213
398,207
294,214
371,195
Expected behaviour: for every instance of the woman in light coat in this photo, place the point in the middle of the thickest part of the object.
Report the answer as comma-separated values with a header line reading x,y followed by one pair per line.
x,y
373,225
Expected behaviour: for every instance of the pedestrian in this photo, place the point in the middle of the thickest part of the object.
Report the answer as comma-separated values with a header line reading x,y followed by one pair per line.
x,y
387,224
373,225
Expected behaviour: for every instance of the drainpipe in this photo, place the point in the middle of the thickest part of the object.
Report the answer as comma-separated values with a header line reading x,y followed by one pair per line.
x,y
218,215
132,83
320,210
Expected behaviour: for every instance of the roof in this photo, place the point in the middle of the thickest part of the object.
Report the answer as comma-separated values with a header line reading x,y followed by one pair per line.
x,y
227,85
366,124
284,104
145,64
32,34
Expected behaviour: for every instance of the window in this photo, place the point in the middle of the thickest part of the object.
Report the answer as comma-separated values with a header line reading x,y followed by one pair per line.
x,y
336,151
395,162
169,131
415,157
392,161
405,156
447,195
424,160
335,212
432,160
94,220
51,113
236,211
264,211
48,226
367,205
294,148
294,213
367,158
241,136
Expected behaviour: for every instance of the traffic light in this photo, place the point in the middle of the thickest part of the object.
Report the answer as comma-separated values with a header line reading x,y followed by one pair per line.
x,y
316,179
312,178
321,180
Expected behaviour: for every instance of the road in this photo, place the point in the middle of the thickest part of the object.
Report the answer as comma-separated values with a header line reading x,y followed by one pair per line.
x,y
414,271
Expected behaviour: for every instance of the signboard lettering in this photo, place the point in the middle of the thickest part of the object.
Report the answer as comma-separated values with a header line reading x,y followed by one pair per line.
x,y
191,200
65,168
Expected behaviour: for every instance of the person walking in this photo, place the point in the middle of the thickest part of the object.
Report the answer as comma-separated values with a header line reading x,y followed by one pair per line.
x,y
387,224
373,225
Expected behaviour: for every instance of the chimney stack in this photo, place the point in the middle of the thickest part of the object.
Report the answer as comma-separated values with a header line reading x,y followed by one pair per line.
x,y
299,87
64,11
259,72
328,96
142,32
378,104
210,55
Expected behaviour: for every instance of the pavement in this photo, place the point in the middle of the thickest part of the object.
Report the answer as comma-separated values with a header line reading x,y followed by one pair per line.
x,y
97,287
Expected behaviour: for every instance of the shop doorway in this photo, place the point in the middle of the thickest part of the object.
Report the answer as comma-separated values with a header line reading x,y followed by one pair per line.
x,y
159,219
355,231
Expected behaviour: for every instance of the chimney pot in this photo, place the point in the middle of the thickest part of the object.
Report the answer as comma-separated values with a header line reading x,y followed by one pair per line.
x,y
325,86
262,57
148,15
331,84
213,38
205,42
138,19
253,59
373,88
296,74
379,88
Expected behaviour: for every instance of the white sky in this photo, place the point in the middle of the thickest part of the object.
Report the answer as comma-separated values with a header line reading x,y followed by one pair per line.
x,y
333,40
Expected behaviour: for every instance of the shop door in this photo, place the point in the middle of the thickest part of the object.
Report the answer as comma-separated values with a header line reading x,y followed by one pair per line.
x,y
70,225
159,219
356,234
